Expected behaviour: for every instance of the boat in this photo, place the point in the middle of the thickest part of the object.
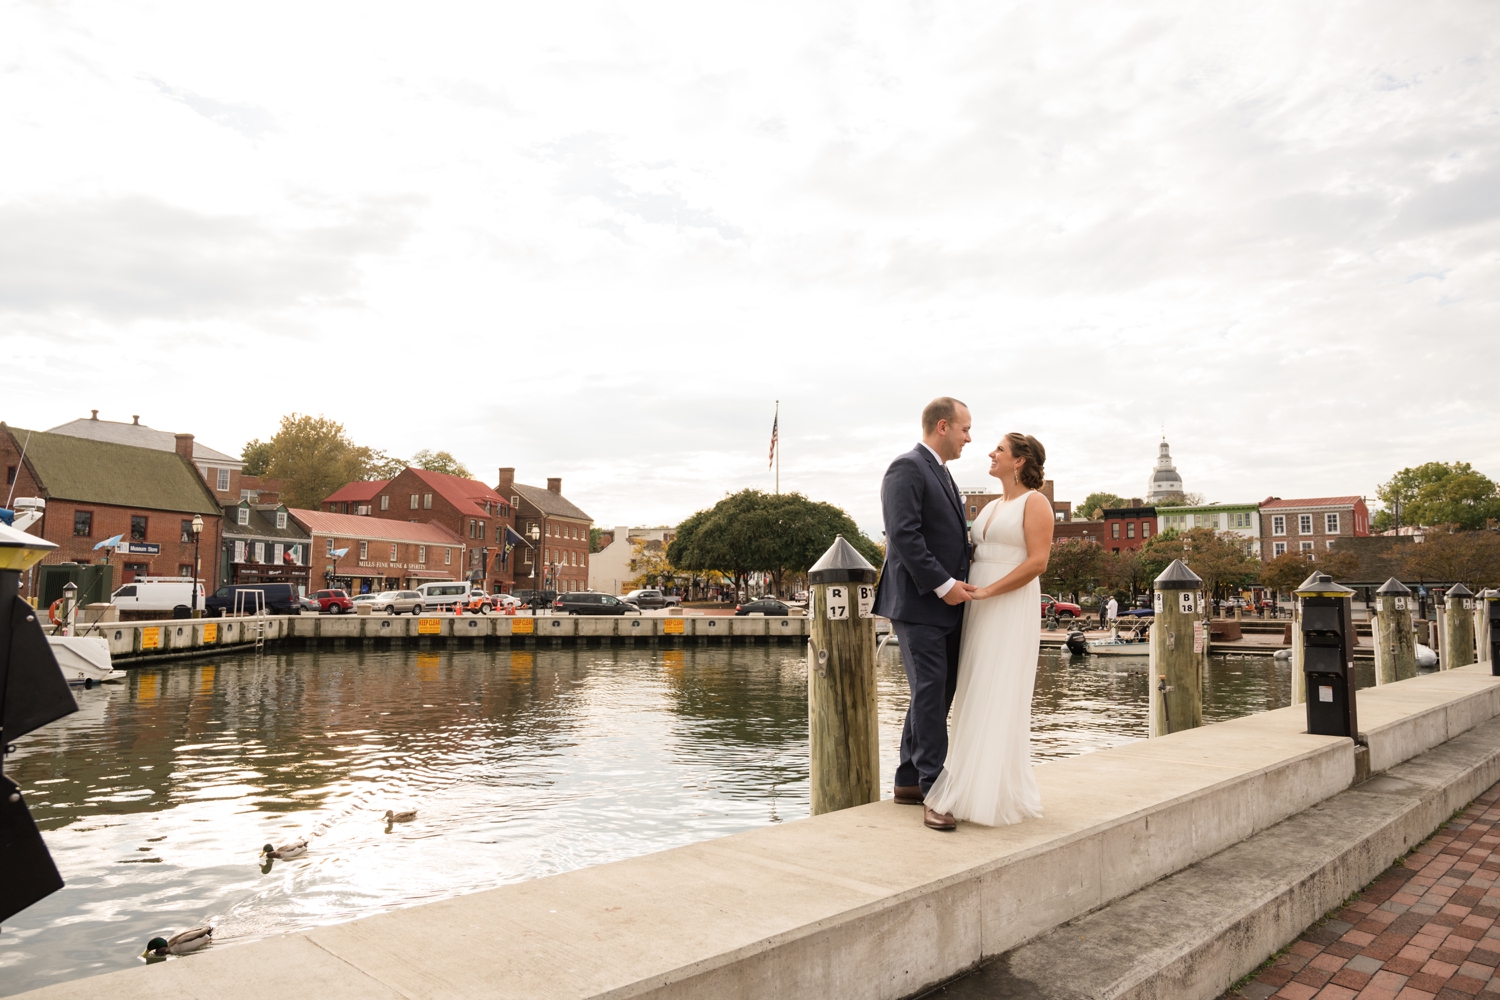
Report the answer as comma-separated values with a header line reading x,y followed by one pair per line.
x,y
84,659
1425,656
1119,647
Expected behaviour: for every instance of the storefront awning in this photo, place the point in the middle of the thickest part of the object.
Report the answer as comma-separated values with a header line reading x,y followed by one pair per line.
x,y
426,574
361,571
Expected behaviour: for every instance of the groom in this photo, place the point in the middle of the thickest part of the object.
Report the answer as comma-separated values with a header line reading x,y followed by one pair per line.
x,y
923,592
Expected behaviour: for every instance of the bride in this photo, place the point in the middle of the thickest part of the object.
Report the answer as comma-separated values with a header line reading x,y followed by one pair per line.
x,y
987,777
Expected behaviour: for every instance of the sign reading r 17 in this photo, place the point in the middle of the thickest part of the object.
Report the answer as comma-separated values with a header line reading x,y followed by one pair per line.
x,y
836,600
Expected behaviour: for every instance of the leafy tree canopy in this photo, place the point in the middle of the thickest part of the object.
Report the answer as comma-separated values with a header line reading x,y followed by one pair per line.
x,y
751,531
1218,557
1469,557
257,457
1182,500
440,461
1075,567
1094,504
313,456
1439,493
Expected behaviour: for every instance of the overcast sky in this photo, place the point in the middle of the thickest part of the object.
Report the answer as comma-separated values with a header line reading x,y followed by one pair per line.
x,y
599,241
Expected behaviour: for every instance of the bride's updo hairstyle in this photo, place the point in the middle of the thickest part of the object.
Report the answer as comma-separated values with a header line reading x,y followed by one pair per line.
x,y
1033,473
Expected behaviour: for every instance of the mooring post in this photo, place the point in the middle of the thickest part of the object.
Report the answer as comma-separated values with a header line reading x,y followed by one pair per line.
x,y
842,715
1492,612
1483,636
1179,650
1458,640
1391,631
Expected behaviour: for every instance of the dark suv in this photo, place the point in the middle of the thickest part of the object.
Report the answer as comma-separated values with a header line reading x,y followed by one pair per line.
x,y
333,602
278,599
585,602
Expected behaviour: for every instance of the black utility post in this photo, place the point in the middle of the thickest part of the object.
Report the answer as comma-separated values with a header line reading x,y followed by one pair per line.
x,y
1327,637
197,566
1492,612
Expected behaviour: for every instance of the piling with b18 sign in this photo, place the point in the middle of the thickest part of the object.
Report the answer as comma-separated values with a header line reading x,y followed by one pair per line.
x,y
1458,639
1179,651
842,714
1395,646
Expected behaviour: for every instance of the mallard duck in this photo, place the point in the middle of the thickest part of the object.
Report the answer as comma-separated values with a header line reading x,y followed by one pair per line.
x,y
405,816
179,944
285,852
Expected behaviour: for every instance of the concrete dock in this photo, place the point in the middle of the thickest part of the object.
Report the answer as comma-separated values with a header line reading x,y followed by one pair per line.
x,y
866,902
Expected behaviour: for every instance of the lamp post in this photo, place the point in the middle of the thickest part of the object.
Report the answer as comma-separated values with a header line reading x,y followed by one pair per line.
x,y
197,566
536,553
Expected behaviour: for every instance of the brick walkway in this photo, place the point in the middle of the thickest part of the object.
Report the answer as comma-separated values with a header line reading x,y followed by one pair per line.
x,y
1423,930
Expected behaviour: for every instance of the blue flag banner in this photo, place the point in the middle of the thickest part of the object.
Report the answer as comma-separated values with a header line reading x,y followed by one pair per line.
x,y
110,542
510,541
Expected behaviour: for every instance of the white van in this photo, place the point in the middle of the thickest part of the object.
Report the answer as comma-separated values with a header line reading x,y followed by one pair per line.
x,y
156,593
441,596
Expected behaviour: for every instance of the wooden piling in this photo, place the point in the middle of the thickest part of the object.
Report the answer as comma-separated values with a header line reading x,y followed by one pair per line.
x,y
1458,638
1482,636
842,712
1179,651
1392,634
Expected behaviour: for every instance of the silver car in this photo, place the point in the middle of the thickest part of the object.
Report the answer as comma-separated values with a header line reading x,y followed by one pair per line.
x,y
399,602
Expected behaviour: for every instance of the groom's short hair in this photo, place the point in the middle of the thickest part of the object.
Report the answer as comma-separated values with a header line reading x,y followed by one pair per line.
x,y
942,408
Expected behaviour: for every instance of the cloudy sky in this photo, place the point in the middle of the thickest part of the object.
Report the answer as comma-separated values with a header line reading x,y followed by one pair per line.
x,y
599,241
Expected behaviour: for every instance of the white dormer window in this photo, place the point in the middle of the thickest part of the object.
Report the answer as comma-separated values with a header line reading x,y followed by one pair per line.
x,y
242,516
281,519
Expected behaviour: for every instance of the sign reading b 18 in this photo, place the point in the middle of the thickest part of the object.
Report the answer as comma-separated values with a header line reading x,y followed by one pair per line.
x,y
836,600
865,592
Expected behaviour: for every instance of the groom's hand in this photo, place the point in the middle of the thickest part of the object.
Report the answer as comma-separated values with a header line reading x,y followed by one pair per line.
x,y
959,593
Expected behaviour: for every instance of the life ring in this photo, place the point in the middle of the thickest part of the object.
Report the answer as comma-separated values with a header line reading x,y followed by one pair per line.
x,y
52,612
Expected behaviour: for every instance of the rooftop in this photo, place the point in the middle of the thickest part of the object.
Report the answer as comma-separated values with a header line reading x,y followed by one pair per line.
x,y
1312,502
69,467
139,435
549,503
464,494
378,528
357,492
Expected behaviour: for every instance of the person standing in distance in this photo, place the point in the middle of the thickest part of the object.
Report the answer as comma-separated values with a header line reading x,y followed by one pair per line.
x,y
923,588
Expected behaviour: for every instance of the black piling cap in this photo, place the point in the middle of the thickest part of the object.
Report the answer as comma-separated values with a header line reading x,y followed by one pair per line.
x,y
1395,587
1178,577
1320,584
1459,590
842,563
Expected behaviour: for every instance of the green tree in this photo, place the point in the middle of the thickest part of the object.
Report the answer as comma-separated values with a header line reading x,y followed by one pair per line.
x,y
1284,573
257,457
440,461
1219,558
596,539
1124,571
1469,557
1075,567
379,465
1439,493
1094,504
1182,500
751,531
314,457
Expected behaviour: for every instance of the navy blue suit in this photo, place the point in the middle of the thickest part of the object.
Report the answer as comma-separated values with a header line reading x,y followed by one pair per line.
x,y
926,544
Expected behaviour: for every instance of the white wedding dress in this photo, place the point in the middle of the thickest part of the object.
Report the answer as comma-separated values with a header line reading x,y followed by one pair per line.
x,y
987,777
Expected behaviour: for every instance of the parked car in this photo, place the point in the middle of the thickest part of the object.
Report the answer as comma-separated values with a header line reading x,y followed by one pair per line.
x,y
762,606
536,598
503,601
369,599
156,593
399,602
645,599
333,602
276,598
1063,609
586,602
444,594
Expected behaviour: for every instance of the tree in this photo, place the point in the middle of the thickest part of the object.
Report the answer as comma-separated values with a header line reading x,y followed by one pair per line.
x,y
1124,571
379,465
1181,500
313,457
257,457
751,531
1219,558
1286,572
596,539
649,563
1469,557
440,461
1075,566
1439,493
1094,504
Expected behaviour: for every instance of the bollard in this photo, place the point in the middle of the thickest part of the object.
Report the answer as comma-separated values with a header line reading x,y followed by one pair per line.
x,y
1458,639
1391,632
1483,634
1179,650
1492,612
842,716
1326,612
69,606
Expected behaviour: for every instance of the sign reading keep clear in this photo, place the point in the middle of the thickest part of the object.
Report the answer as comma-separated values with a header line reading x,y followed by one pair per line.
x,y
836,602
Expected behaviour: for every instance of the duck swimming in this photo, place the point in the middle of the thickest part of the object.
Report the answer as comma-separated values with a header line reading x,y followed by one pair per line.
x,y
179,944
400,817
294,849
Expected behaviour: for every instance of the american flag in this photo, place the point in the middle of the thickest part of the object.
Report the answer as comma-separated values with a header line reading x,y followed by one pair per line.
x,y
775,422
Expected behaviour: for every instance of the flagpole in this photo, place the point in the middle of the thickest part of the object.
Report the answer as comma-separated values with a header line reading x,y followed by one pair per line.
x,y
777,424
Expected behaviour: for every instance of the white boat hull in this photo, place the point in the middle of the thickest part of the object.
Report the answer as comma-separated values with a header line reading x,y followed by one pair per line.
x,y
83,659
1119,649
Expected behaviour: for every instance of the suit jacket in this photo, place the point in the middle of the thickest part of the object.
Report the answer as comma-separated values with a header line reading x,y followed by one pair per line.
x,y
926,541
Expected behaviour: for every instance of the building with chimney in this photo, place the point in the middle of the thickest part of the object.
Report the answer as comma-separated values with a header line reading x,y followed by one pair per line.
x,y
559,558
220,471
365,555
1310,525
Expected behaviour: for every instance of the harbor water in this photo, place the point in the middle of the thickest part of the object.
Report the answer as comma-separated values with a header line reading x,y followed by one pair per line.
x,y
155,798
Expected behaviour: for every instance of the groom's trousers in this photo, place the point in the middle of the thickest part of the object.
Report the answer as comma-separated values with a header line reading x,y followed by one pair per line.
x,y
930,654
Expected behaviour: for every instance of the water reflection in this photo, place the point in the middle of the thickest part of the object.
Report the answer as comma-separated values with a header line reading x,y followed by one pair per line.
x,y
157,796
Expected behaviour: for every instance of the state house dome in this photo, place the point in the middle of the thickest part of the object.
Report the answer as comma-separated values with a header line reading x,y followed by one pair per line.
x,y
1164,481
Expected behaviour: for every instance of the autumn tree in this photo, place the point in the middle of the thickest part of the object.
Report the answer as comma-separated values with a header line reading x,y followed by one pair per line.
x,y
1181,500
313,456
1124,571
1075,567
1469,557
1219,558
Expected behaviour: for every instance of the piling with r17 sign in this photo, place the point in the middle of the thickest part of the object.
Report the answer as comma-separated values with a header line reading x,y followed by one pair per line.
x,y
842,714
1391,631
1179,651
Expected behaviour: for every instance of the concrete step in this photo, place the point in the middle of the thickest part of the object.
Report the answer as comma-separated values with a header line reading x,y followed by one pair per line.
x,y
1194,933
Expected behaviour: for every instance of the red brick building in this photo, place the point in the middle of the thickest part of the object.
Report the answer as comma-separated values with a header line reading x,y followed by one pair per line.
x,y
355,498
221,472
563,531
975,500
1310,525
1127,527
382,553
98,489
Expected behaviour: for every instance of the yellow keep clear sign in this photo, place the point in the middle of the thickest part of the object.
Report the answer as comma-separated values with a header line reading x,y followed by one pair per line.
x,y
429,626
673,626
523,626
211,632
151,638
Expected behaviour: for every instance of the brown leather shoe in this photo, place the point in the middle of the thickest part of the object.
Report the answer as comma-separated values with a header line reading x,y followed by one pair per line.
x,y
935,820
909,795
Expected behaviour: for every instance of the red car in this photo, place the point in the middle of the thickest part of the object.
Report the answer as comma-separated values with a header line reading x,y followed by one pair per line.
x,y
1062,608
333,602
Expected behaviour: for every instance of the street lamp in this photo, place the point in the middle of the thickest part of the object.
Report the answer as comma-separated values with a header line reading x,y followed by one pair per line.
x,y
536,538
197,566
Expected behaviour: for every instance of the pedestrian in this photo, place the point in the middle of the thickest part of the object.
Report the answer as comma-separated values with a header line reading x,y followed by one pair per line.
x,y
1113,608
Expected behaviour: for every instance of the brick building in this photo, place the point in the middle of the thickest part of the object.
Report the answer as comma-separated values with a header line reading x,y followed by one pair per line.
x,y
355,498
383,553
263,544
563,531
1239,519
977,498
1127,527
1310,525
220,471
98,489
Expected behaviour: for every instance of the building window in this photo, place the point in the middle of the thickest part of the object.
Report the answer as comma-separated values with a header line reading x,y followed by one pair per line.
x,y
1331,541
242,516
83,523
393,553
973,510
1330,524
1278,548
187,531
185,570
546,555
1130,530
426,501
514,501
330,546
223,480
1305,546
239,552
422,554
281,520
1304,524
364,550
1114,530
260,552
10,475
447,557
481,531
1278,524
137,528
1145,529
413,501
277,552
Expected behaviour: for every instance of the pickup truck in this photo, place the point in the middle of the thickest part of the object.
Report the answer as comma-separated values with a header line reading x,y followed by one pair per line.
x,y
1063,608
648,599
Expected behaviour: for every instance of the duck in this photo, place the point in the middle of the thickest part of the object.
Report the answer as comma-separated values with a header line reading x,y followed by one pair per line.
x,y
179,944
405,816
294,849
